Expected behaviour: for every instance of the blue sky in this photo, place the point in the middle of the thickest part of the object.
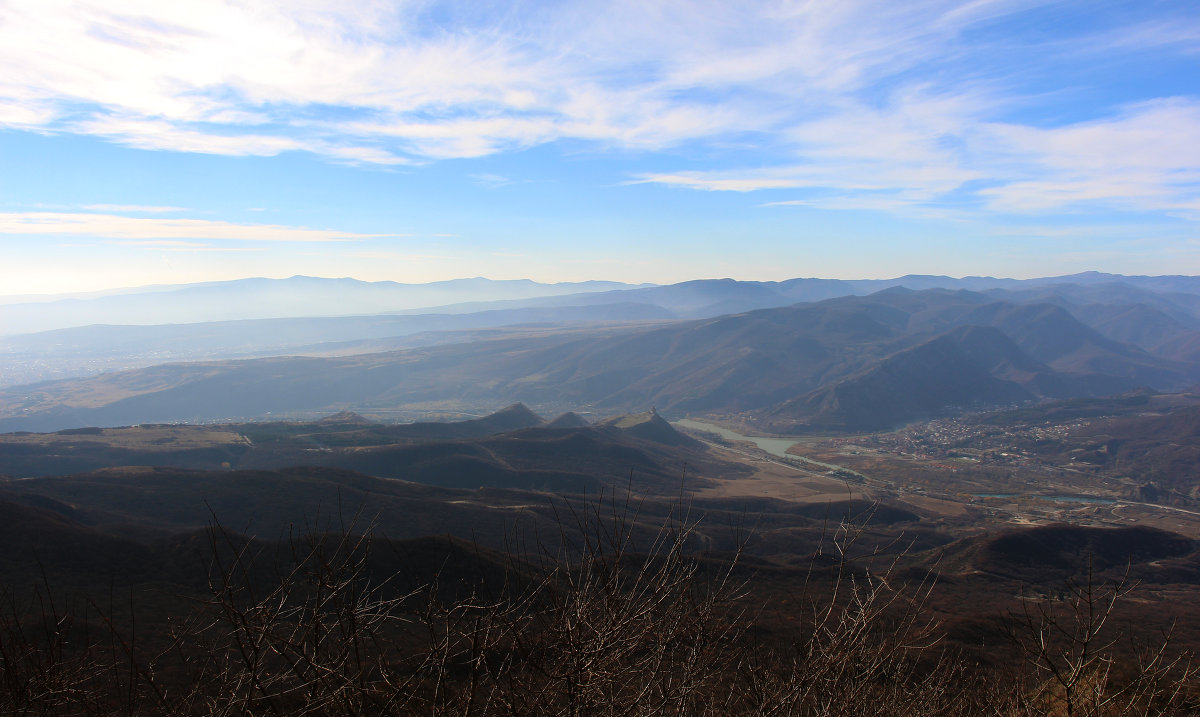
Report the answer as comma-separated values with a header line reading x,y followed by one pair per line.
x,y
151,142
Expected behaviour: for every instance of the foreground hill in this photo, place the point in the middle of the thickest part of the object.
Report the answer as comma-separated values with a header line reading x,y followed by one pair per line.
x,y
787,361
145,529
512,448
1046,555
114,522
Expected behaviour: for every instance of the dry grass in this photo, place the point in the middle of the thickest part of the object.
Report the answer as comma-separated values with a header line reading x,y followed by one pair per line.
x,y
592,621
157,437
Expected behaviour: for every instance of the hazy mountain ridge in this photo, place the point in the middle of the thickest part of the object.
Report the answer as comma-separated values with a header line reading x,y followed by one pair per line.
x,y
758,361
703,298
88,350
258,335
260,298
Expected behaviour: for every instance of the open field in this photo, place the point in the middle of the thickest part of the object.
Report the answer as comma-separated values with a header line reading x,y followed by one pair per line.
x,y
775,479
964,489
151,437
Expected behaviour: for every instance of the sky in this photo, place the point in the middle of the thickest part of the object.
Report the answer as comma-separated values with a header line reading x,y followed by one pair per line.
x,y
150,142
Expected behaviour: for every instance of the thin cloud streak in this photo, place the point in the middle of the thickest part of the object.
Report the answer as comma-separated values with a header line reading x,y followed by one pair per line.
x,y
114,226
176,245
1145,158
188,74
137,208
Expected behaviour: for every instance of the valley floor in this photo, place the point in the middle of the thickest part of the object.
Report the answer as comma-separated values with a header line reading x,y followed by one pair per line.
x,y
960,492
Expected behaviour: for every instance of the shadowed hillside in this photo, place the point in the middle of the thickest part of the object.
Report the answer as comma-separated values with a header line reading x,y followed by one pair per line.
x,y
1053,557
943,376
512,448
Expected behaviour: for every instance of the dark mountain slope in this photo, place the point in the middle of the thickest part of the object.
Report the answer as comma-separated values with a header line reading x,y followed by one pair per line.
x,y
511,418
1144,326
267,503
649,426
270,445
1052,554
144,504
512,448
345,418
1182,307
35,537
581,459
949,373
157,571
570,419
1184,348
1050,334
740,361
64,454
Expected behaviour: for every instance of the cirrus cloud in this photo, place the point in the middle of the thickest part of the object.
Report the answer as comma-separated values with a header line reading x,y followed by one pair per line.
x,y
157,229
858,103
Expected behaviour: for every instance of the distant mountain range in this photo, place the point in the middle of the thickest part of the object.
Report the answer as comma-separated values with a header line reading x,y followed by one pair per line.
x,y
851,363
306,296
1158,314
705,298
85,350
298,296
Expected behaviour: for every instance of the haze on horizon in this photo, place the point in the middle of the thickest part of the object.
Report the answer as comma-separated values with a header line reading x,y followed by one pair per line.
x,y
162,143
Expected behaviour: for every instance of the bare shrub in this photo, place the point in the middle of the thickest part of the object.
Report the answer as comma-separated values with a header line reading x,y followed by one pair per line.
x,y
1081,666
865,645
42,672
609,617
315,640
621,628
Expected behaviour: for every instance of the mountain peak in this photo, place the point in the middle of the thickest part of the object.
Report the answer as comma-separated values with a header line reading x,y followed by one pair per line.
x,y
649,426
517,409
511,418
570,419
346,418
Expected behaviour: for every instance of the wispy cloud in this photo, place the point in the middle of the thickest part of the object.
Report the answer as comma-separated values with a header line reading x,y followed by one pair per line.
x,y
491,181
166,135
113,226
180,246
398,256
1143,157
1146,157
223,77
135,208
867,101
